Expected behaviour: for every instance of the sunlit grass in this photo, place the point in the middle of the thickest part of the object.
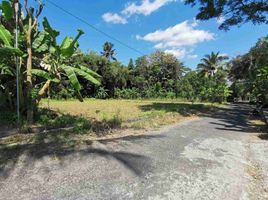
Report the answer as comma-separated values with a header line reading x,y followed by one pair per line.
x,y
133,113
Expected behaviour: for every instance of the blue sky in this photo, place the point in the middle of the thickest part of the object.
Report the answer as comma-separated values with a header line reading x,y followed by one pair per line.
x,y
147,25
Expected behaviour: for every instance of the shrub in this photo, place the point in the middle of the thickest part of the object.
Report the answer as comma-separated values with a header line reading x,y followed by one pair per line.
x,y
8,118
127,93
101,93
170,95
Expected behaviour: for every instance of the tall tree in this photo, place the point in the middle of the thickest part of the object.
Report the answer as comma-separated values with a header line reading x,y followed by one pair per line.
x,y
108,51
130,64
32,17
28,23
210,64
232,12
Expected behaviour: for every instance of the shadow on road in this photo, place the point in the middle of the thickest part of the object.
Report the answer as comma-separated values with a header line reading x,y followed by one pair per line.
x,y
236,117
185,109
55,145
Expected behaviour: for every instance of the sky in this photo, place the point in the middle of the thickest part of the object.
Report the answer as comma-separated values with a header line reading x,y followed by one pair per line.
x,y
149,25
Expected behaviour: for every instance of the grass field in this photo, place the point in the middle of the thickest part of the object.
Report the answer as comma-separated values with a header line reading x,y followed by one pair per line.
x,y
139,114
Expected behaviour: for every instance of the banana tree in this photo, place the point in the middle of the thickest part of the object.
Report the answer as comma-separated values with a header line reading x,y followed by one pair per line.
x,y
56,63
40,55
6,43
7,68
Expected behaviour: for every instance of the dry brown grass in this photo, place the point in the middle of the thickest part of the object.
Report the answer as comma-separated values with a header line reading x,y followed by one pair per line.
x,y
138,114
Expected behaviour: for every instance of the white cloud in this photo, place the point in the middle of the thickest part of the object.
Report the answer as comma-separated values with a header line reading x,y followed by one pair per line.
x,y
220,20
192,56
182,34
224,55
146,7
114,18
177,39
179,53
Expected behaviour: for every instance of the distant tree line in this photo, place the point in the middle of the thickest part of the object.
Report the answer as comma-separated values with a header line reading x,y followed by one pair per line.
x,y
158,75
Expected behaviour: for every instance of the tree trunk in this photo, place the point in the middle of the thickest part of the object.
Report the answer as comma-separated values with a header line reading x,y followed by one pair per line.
x,y
43,91
29,83
22,97
175,71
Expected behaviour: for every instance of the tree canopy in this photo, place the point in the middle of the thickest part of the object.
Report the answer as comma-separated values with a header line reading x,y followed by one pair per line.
x,y
232,12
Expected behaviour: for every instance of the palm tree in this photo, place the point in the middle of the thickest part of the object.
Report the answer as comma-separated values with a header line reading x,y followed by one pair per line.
x,y
108,51
210,63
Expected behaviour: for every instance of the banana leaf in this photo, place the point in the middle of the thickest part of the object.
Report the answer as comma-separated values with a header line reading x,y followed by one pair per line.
x,y
45,75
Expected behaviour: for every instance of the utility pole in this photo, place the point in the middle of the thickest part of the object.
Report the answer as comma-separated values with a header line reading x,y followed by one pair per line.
x,y
17,62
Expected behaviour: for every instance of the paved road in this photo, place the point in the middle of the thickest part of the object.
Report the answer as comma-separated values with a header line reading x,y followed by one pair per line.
x,y
215,157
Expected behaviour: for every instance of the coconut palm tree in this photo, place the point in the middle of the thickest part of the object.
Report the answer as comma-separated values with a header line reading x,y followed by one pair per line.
x,y
210,63
108,51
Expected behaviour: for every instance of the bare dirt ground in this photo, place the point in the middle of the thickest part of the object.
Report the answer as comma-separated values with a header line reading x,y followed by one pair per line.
x,y
214,157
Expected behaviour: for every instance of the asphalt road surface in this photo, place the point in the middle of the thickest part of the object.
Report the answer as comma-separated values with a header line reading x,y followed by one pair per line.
x,y
213,157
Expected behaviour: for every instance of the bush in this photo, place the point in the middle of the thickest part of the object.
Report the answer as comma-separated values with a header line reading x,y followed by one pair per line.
x,y
170,95
127,93
8,118
101,93
62,93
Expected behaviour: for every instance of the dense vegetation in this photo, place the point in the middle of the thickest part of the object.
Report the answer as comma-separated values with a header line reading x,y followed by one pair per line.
x,y
61,71
249,73
158,75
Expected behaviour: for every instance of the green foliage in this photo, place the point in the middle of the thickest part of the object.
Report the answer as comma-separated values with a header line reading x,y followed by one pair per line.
x,y
234,12
219,93
7,118
73,79
170,95
51,62
101,93
41,42
158,75
62,93
45,75
211,63
108,51
6,70
68,45
5,36
127,93
87,74
10,51
53,33
6,10
250,72
57,59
